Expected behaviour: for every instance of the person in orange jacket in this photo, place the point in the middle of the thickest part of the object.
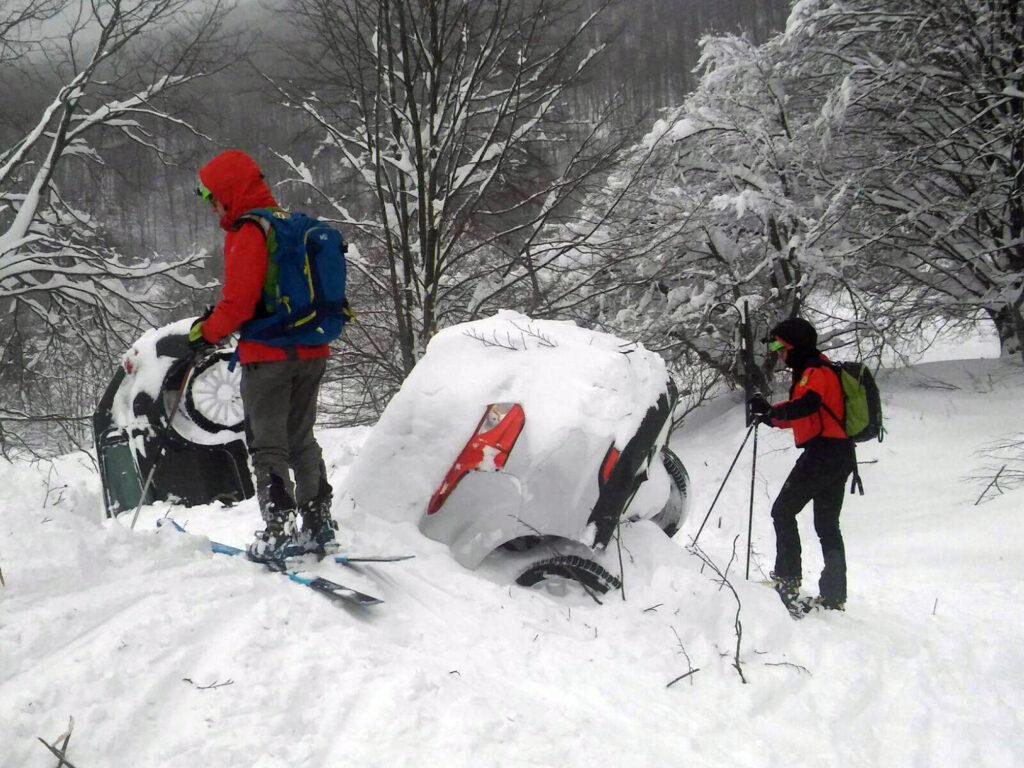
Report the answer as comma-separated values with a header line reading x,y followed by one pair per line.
x,y
814,411
280,385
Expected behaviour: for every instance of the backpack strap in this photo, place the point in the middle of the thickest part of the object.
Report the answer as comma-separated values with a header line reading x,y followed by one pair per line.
x,y
263,223
855,482
260,216
837,420
829,411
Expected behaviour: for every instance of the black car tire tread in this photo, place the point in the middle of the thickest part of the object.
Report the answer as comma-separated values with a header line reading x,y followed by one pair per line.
x,y
670,518
573,567
676,470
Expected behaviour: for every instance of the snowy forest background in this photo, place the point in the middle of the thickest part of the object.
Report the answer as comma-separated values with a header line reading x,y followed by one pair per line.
x,y
652,168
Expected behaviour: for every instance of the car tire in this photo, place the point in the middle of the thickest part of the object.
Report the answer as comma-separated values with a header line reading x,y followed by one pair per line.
x,y
212,398
671,516
572,567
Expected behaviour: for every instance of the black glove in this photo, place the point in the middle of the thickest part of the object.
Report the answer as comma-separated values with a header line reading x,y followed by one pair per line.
x,y
196,341
760,410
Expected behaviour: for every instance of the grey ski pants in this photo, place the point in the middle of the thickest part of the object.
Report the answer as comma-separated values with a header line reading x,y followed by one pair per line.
x,y
280,400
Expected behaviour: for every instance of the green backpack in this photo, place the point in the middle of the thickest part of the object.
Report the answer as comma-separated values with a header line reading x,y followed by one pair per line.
x,y
861,400
863,408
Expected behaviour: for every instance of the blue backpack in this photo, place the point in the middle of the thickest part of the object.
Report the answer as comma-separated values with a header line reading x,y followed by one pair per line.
x,y
304,291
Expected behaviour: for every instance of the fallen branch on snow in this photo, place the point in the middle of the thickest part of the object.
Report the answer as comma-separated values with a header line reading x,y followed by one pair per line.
x,y
682,649
787,664
61,754
723,581
211,686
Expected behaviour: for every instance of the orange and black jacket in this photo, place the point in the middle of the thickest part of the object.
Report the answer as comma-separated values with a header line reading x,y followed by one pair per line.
x,y
815,406
235,180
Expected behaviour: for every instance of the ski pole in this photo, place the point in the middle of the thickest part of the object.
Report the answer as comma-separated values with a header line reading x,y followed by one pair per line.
x,y
163,443
735,458
750,519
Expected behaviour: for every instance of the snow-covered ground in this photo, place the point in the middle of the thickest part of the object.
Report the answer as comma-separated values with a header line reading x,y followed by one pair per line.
x,y
166,655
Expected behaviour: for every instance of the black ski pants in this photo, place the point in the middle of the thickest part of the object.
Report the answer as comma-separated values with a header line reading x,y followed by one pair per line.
x,y
819,476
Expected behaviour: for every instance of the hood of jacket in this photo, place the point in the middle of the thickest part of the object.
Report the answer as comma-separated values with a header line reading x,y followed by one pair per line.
x,y
236,181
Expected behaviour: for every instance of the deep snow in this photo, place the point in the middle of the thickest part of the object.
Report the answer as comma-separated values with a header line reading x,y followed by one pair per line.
x,y
165,655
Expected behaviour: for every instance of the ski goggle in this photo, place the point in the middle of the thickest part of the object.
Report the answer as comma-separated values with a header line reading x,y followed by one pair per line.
x,y
777,346
204,193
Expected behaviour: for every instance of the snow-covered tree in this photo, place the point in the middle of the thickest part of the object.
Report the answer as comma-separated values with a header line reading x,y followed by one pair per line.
x,y
925,120
862,169
728,216
448,151
92,67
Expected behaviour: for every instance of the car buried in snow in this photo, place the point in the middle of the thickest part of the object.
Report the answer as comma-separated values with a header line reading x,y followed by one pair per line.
x,y
533,439
173,420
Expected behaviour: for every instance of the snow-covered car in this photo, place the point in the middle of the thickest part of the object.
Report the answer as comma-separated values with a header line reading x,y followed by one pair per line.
x,y
179,418
525,435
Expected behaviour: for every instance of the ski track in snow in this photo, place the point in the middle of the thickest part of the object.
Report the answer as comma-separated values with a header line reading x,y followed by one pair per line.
x,y
458,668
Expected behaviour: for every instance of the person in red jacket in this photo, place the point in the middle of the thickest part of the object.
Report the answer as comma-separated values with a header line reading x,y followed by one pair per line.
x,y
280,385
814,411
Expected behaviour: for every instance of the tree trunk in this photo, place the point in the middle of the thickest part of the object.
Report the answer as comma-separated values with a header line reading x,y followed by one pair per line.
x,y
1010,326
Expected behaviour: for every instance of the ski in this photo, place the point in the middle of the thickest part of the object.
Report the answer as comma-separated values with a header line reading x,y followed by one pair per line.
x,y
326,587
346,559
330,589
226,549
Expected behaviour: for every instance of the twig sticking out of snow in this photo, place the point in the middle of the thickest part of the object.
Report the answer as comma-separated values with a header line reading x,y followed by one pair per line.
x,y
494,341
541,339
689,664
995,482
61,754
683,677
787,664
509,342
211,686
723,581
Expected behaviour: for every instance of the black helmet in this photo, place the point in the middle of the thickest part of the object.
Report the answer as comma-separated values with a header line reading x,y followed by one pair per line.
x,y
797,332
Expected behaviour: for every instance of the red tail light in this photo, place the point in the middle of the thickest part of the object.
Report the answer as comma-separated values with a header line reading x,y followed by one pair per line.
x,y
486,451
129,360
610,460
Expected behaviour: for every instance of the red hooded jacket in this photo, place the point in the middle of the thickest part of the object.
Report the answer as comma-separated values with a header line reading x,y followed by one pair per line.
x,y
236,182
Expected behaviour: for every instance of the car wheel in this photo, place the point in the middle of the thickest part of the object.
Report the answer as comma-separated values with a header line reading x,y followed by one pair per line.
x,y
671,516
573,568
213,399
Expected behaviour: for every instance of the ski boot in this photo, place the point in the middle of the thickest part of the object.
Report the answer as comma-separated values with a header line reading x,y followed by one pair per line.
x,y
279,540
825,604
318,527
789,593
